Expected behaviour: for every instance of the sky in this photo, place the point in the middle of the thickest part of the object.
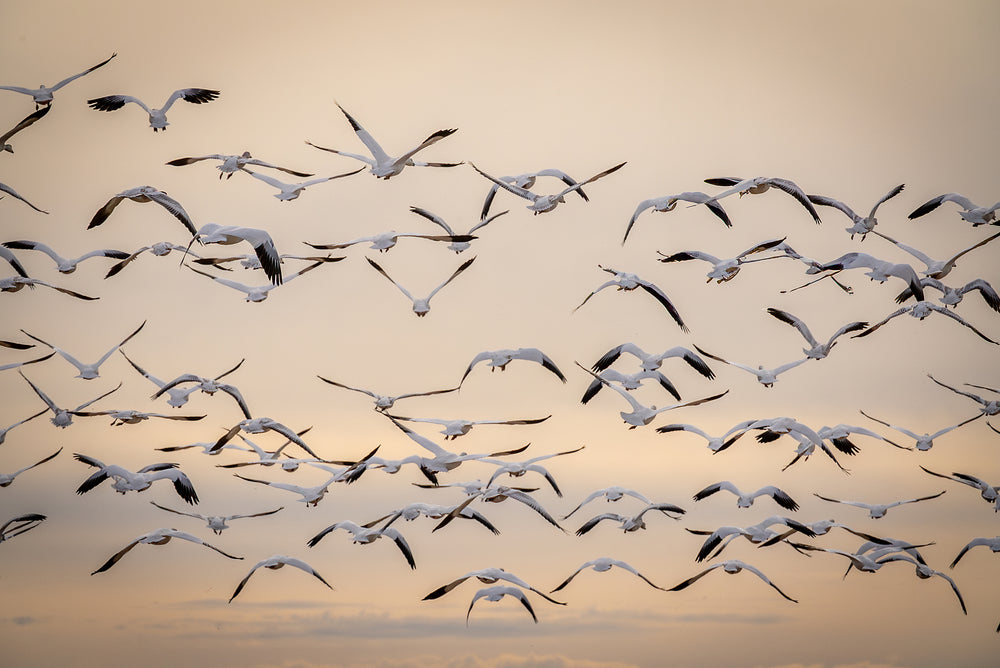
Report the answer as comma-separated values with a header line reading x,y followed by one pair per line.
x,y
846,99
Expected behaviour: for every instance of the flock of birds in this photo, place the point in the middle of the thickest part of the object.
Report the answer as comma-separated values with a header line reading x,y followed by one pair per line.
x,y
432,462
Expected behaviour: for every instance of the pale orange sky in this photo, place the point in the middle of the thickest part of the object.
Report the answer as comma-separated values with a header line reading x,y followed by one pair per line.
x,y
846,99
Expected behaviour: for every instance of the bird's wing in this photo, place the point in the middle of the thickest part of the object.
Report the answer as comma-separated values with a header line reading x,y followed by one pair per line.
x,y
889,195
695,578
17,473
366,139
365,159
463,267
115,102
437,220
712,489
175,209
932,204
126,340
957,318
10,191
192,95
382,271
432,139
400,542
795,322
688,255
509,187
348,387
235,394
763,577
823,200
86,71
25,122
577,186
795,191
179,512
486,221
115,558
594,521
665,301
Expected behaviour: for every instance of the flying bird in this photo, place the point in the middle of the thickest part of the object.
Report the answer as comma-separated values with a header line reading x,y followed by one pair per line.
x,y
64,265
992,543
860,224
727,269
88,371
653,362
877,510
669,202
120,417
818,350
746,499
988,406
952,296
157,117
383,165
613,493
144,194
977,215
460,427
208,386
498,592
488,576
604,565
217,523
290,191
157,537
138,481
938,268
628,282
761,184
386,240
921,310
499,359
274,563
924,441
990,493
385,402
460,242
233,163
43,94
159,249
633,523
62,417
258,293
259,240
20,524
544,203
527,182
365,535
518,469
421,305
732,567
629,381
757,534
766,377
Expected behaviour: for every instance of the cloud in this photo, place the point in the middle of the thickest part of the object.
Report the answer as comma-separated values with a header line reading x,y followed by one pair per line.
x,y
466,661
22,620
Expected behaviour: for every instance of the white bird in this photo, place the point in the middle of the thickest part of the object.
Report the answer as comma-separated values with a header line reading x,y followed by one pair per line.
x,y
261,425
178,395
290,191
43,94
715,443
866,563
761,184
258,293
527,182
13,193
88,371
924,441
544,203
157,117
422,305
499,359
498,592
412,511
25,122
259,240
6,479
628,282
818,350
499,494
217,523
143,194
120,417
602,565
264,457
382,164
952,296
921,310
365,535
937,268
861,224
311,496
518,469
64,265
62,417
15,283
251,262
807,438
746,499
925,572
232,163
274,563
766,377
633,523
756,533
630,381
159,249
4,430
21,524
641,415
669,202
385,402
988,406
487,576
157,537
725,269
460,427
977,215
208,386
613,493
137,481
880,270
460,242
990,493
992,543
823,527
731,566
653,362
386,240
877,510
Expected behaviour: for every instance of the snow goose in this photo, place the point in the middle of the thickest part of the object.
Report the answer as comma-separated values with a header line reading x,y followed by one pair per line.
x,y
652,362
157,537
977,215
613,493
383,165
630,381
732,567
487,576
412,511
990,493
921,310
937,268
727,269
527,182
366,535
274,563
628,282
518,469
861,224
669,202
761,184
421,305
746,499
138,481
159,249
924,441
232,163
88,371
766,377
43,94
290,191
499,359
952,296
157,117
385,402
64,265
757,534
818,350
498,592
633,523
6,479
603,565
258,293
877,510
386,240
144,194
62,417
988,406
460,242
217,523
544,203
